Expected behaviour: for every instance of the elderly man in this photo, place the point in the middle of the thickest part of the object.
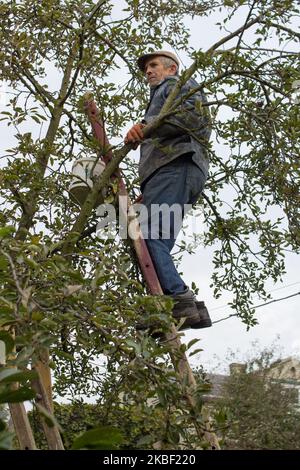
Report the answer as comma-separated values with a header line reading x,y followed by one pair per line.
x,y
173,169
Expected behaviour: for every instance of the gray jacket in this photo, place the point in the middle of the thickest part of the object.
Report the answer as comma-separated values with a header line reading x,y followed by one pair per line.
x,y
187,131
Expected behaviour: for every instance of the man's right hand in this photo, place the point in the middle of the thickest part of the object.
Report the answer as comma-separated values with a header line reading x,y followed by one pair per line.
x,y
135,134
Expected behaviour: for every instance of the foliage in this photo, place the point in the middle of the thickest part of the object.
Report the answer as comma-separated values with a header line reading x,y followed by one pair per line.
x,y
79,418
78,421
143,417
259,413
84,301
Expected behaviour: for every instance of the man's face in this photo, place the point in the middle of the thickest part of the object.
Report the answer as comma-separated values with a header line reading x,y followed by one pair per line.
x,y
155,71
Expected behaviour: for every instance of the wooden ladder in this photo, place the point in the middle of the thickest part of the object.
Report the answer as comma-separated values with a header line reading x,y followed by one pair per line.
x,y
43,388
178,357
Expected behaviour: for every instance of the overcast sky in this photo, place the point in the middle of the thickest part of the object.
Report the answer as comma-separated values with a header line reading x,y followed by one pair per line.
x,y
280,318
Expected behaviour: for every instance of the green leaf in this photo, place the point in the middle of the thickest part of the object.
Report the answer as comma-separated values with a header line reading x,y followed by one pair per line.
x,y
6,440
109,199
49,418
195,352
8,340
3,263
6,321
15,375
64,355
104,438
6,231
161,396
204,387
17,396
133,345
221,416
37,316
36,119
191,343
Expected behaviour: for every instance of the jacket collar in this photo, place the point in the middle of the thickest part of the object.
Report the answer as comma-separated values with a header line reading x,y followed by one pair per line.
x,y
154,88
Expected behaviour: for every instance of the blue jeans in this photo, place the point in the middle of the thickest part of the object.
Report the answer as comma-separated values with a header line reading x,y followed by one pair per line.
x,y
178,182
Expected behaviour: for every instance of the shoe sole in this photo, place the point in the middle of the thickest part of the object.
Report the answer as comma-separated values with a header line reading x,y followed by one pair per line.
x,y
189,322
204,322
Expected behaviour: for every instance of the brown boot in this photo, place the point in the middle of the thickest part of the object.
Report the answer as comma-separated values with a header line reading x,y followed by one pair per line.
x,y
204,320
185,307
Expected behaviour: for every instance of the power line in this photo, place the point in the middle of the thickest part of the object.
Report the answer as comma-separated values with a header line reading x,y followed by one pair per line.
x,y
269,292
258,306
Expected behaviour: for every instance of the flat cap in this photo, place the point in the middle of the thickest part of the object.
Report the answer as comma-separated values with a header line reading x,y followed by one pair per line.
x,y
143,58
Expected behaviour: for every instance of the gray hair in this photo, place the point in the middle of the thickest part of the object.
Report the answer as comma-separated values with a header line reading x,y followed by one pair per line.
x,y
168,62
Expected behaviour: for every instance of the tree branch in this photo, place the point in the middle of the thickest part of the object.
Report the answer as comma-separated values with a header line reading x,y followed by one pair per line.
x,y
113,47
282,28
42,160
187,74
235,33
242,32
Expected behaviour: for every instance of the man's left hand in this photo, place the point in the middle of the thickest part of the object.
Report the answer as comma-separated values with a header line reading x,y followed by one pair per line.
x,y
135,134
